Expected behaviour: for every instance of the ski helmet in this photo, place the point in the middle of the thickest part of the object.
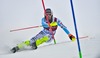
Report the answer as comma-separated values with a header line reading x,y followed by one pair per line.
x,y
48,10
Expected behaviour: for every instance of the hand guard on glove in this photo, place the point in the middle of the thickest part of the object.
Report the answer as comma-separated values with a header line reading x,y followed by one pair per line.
x,y
72,37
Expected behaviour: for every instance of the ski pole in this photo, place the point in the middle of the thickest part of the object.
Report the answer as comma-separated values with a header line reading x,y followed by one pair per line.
x,y
25,28
83,37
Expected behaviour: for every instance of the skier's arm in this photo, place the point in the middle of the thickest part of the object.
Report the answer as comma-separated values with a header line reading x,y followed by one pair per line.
x,y
63,26
44,24
65,29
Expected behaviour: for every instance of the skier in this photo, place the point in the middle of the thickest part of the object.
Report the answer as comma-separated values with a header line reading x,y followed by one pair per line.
x,y
45,35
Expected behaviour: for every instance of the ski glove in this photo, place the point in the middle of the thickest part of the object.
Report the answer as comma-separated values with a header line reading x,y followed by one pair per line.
x,y
72,37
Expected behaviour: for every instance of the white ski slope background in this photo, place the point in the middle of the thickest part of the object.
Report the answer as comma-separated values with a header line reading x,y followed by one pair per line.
x,y
26,13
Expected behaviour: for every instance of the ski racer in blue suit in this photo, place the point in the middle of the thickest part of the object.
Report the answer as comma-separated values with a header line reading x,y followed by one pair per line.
x,y
45,35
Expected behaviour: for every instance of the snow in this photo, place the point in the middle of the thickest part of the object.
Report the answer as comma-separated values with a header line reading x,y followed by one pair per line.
x,y
64,50
25,13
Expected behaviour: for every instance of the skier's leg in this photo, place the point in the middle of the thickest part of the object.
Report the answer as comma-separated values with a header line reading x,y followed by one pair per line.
x,y
23,44
31,42
45,38
42,40
34,44
35,41
38,36
39,41
20,46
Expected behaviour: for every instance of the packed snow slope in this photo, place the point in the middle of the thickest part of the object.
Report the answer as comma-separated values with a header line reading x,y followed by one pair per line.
x,y
67,49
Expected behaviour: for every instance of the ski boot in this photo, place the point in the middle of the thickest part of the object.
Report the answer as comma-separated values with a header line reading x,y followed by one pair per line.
x,y
34,46
14,49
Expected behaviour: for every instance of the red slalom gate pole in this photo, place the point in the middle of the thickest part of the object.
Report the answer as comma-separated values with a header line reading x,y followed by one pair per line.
x,y
25,28
48,21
